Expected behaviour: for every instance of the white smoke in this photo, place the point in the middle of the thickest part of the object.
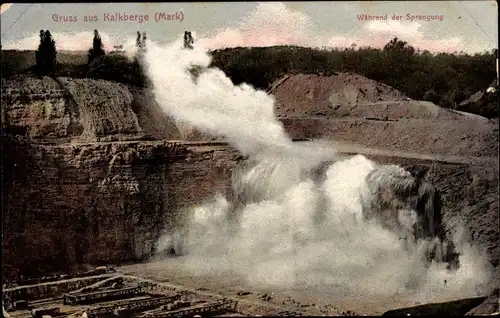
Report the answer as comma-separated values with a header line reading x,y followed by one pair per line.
x,y
290,228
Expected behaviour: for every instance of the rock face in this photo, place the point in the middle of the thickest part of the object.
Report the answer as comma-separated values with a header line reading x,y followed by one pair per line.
x,y
81,184
469,193
82,110
100,203
85,181
490,305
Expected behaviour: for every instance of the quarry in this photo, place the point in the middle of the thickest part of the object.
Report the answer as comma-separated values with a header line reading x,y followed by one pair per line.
x,y
198,197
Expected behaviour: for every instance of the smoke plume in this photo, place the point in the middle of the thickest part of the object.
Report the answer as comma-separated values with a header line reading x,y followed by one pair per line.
x,y
286,225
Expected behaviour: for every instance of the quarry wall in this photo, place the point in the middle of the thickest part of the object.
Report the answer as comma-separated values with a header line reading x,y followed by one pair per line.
x,y
107,203
100,203
86,183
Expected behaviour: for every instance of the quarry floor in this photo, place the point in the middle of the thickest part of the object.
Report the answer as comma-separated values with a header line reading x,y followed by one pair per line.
x,y
255,300
320,300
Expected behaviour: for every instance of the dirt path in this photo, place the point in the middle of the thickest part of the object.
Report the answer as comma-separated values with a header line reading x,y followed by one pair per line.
x,y
343,147
353,148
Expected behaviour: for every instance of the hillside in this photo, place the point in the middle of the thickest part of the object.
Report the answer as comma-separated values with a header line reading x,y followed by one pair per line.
x,y
344,106
348,94
444,79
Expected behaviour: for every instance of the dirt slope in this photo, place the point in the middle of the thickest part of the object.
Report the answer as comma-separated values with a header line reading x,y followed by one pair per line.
x,y
348,94
437,137
352,108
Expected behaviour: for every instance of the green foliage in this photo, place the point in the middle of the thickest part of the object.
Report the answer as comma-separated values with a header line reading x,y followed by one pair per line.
x,y
117,68
445,79
46,54
10,64
97,49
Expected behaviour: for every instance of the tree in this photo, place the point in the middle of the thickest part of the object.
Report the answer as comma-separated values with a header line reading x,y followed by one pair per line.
x,y
137,63
188,40
431,96
398,63
117,68
143,42
396,46
140,43
46,54
38,55
138,40
97,49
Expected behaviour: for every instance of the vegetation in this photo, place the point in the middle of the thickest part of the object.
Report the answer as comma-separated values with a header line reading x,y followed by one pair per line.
x,y
46,54
445,79
117,68
140,42
97,49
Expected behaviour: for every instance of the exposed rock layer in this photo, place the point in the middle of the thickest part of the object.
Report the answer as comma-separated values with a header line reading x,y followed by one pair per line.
x,y
78,190
100,203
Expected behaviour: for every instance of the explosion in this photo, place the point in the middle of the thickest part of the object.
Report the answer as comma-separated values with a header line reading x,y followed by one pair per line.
x,y
299,213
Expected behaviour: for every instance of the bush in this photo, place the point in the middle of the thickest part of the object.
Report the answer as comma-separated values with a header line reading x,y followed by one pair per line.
x,y
116,68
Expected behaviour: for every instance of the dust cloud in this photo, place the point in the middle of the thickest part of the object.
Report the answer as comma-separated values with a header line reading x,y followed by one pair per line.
x,y
285,226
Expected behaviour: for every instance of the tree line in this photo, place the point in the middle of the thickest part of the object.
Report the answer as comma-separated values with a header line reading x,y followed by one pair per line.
x,y
443,78
99,64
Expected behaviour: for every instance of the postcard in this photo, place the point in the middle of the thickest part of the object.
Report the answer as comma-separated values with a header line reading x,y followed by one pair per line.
x,y
250,158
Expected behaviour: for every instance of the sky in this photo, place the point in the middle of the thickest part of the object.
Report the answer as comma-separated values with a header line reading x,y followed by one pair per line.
x,y
437,26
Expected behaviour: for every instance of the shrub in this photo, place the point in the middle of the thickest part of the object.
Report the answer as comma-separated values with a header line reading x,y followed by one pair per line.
x,y
117,68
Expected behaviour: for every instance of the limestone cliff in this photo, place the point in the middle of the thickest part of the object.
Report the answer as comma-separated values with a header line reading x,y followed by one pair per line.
x,y
99,203
82,183
62,109
89,178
